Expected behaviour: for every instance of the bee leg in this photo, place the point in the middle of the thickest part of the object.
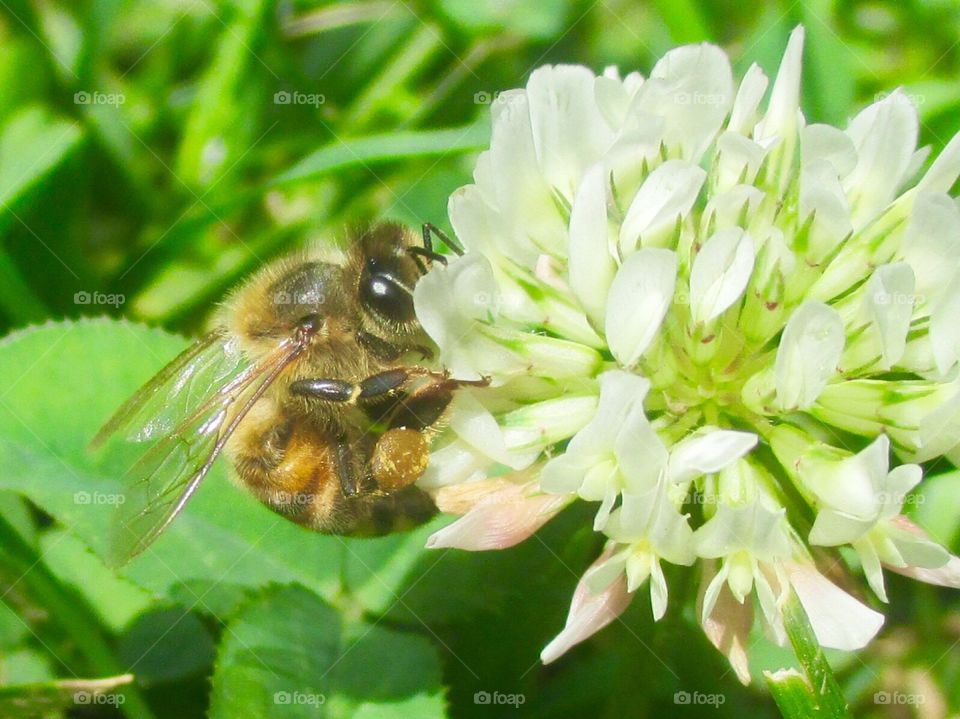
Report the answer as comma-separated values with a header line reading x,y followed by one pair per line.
x,y
331,390
423,407
349,482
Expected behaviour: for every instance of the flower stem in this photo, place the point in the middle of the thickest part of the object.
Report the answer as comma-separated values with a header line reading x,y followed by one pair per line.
x,y
826,699
792,694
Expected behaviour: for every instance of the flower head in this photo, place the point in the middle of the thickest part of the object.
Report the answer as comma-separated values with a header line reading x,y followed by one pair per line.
x,y
687,301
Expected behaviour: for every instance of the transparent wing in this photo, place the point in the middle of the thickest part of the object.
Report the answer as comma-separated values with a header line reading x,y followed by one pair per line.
x,y
190,381
192,427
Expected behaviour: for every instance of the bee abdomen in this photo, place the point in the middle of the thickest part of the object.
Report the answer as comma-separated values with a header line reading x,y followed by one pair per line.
x,y
297,473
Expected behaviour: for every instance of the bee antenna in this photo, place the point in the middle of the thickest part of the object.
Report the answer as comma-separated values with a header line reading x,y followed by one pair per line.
x,y
431,229
418,252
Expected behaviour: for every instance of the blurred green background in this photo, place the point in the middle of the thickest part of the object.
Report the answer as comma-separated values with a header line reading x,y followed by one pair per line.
x,y
153,152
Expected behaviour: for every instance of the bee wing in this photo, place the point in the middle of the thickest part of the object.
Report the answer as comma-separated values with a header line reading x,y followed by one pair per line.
x,y
162,481
186,384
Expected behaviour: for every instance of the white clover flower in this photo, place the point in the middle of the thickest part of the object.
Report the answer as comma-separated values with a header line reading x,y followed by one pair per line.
x,y
685,303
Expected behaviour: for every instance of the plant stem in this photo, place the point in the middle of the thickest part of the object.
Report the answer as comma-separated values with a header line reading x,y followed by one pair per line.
x,y
826,696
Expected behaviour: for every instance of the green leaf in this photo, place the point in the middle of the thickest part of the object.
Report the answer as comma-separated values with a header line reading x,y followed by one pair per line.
x,y
533,20
116,600
166,645
223,121
684,19
32,144
387,147
286,654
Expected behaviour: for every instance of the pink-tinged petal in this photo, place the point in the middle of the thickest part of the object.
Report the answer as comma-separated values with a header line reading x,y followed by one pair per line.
x,y
505,515
589,612
461,498
947,575
839,620
727,626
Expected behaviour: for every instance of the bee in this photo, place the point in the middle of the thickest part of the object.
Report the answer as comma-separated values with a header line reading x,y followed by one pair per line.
x,y
307,384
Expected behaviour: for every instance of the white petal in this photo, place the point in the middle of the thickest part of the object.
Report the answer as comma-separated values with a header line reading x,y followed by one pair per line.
x,y
589,613
640,452
889,303
833,528
620,392
839,621
478,428
480,227
931,245
739,159
450,302
781,117
708,452
639,298
658,591
945,327
691,87
822,196
725,209
612,98
514,183
720,273
668,193
591,265
744,110
885,135
727,623
853,485
826,143
569,132
807,358
454,463
945,169
872,568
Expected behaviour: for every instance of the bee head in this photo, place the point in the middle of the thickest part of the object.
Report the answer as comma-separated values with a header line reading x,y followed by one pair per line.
x,y
387,275
308,289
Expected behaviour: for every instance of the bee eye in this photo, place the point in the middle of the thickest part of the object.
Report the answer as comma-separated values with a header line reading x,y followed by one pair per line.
x,y
385,296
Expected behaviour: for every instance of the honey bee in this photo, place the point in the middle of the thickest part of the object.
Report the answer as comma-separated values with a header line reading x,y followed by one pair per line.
x,y
307,384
